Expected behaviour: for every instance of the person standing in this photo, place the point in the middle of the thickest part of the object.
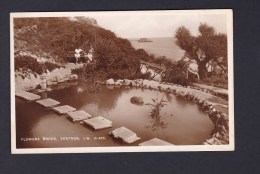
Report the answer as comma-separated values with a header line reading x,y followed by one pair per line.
x,y
77,54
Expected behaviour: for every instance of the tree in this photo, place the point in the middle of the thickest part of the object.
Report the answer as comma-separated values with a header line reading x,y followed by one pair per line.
x,y
207,47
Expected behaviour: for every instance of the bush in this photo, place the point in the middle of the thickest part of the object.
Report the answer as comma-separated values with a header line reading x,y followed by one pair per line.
x,y
78,71
86,72
92,71
28,64
175,73
181,81
51,66
139,75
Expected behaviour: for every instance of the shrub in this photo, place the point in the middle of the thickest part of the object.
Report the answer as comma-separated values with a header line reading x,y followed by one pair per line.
x,y
27,64
181,81
100,73
24,63
175,73
51,66
78,71
139,75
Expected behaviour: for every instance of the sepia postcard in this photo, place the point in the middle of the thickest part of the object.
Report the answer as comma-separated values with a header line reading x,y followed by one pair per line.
x,y
122,81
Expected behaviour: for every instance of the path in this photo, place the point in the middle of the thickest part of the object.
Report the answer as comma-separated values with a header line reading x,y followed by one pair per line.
x,y
212,88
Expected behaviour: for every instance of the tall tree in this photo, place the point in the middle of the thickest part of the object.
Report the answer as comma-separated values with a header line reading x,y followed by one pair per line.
x,y
207,46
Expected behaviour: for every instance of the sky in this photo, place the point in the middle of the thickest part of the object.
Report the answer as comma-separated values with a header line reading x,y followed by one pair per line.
x,y
149,25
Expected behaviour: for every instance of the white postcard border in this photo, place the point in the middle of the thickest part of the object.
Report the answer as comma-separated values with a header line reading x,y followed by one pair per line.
x,y
177,148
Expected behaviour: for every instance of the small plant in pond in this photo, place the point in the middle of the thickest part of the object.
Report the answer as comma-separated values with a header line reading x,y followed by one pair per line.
x,y
157,123
156,106
156,116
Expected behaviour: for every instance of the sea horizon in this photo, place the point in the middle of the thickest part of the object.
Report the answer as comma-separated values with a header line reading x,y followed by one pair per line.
x,y
160,46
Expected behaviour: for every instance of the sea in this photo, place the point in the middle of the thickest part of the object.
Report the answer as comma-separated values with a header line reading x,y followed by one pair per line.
x,y
160,47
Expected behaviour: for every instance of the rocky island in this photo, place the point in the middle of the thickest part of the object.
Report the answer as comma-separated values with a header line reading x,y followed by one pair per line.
x,y
144,40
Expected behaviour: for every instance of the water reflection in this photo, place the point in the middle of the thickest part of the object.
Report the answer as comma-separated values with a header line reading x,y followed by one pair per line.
x,y
169,97
157,124
80,96
28,116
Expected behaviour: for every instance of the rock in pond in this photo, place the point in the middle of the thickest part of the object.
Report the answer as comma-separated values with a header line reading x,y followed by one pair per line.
x,y
74,77
110,82
137,100
126,82
119,83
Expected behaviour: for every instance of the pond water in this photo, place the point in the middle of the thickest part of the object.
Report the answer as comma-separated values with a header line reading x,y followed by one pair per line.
x,y
181,122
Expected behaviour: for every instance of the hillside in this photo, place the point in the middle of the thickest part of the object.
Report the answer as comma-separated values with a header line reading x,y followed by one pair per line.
x,y
51,39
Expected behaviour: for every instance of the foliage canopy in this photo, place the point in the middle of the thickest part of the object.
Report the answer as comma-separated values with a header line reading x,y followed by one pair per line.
x,y
208,48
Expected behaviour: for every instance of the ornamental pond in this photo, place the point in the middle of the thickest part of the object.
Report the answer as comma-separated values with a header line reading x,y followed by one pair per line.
x,y
181,122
